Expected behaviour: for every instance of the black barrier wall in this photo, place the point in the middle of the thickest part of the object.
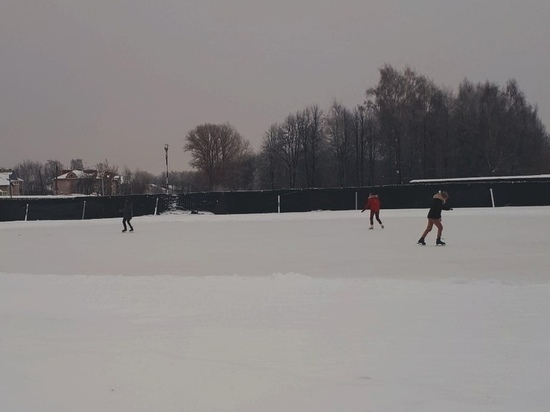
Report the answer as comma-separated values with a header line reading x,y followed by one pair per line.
x,y
84,207
393,197
476,194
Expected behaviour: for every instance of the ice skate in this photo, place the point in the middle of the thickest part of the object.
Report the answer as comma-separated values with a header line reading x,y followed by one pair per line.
x,y
421,241
371,227
439,242
382,226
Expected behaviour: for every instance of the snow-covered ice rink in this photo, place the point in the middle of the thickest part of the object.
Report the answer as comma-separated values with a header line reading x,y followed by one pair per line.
x,y
274,313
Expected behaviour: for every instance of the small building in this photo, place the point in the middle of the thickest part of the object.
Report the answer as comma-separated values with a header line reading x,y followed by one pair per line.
x,y
86,182
10,185
75,182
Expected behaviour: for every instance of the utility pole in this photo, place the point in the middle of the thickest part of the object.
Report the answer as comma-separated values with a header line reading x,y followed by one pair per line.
x,y
166,150
56,174
9,183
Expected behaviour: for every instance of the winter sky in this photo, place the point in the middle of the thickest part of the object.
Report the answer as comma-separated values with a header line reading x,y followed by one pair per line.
x,y
118,79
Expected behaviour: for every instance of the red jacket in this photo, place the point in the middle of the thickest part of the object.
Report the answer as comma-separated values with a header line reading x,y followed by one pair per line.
x,y
373,203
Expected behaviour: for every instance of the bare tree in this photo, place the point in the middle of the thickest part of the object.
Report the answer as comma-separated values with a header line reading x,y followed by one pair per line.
x,y
215,150
77,164
372,136
142,182
52,169
269,155
32,174
312,138
106,174
185,182
404,106
338,129
359,143
126,183
290,148
532,142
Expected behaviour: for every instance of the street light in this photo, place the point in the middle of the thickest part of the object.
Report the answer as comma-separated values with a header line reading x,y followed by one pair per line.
x,y
166,150
9,183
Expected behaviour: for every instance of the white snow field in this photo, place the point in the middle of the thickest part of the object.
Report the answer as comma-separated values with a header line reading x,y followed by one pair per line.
x,y
276,313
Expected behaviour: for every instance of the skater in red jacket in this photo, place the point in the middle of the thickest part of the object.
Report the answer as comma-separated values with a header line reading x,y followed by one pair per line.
x,y
373,204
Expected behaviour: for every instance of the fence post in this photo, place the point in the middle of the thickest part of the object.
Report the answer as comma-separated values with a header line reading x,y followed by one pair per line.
x,y
26,212
278,203
83,210
355,200
492,197
156,206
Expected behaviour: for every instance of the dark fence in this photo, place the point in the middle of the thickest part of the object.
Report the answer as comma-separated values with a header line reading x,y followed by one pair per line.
x,y
462,194
85,207
501,193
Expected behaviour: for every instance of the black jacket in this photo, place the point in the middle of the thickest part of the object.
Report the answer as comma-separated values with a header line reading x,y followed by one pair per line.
x,y
128,210
438,204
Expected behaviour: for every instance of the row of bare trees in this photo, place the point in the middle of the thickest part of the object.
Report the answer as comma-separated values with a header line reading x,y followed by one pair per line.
x,y
427,132
40,178
407,128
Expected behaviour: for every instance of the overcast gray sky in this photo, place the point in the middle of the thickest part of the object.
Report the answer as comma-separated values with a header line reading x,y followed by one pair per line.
x,y
117,79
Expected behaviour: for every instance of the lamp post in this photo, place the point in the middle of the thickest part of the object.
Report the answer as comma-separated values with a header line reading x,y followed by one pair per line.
x,y
166,150
56,174
9,184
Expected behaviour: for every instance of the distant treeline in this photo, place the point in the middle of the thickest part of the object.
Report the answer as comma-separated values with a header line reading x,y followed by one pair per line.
x,y
407,128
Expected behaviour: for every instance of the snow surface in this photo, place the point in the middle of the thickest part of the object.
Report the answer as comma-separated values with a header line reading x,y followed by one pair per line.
x,y
289,312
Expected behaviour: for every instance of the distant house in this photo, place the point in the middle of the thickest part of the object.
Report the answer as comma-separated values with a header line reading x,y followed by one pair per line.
x,y
10,185
153,189
75,182
86,182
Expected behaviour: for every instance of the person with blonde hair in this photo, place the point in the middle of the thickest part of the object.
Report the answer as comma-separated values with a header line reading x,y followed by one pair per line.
x,y
434,218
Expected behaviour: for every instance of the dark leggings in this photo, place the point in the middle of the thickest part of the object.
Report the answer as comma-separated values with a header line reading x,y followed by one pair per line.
x,y
375,214
127,220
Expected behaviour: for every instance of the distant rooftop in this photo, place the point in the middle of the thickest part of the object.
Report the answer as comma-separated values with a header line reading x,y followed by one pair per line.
x,y
75,174
482,179
5,178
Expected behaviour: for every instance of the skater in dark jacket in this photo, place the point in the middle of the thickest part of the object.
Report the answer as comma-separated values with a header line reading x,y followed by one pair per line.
x,y
373,204
128,214
434,217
